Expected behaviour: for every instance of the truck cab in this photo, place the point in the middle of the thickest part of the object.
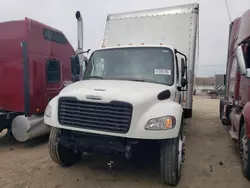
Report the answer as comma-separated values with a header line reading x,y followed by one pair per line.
x,y
131,79
140,64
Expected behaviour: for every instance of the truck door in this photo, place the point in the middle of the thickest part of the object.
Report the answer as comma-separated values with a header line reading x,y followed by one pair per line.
x,y
53,77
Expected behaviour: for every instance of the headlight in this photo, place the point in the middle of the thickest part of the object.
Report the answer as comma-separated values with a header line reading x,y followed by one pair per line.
x,y
161,123
48,111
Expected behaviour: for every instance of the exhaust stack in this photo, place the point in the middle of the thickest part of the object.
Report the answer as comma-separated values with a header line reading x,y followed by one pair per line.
x,y
79,30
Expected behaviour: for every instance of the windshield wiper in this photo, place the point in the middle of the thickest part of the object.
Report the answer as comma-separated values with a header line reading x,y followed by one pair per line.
x,y
98,77
137,80
128,79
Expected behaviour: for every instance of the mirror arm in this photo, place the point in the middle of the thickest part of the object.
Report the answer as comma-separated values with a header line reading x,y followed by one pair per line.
x,y
75,65
177,52
87,51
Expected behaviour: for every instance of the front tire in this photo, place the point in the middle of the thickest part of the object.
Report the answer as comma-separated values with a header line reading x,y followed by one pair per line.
x,y
171,158
60,154
245,152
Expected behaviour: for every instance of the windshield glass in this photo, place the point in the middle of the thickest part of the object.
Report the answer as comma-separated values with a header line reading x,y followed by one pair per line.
x,y
148,64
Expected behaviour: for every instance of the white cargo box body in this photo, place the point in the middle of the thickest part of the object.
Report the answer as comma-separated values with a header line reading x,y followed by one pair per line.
x,y
173,26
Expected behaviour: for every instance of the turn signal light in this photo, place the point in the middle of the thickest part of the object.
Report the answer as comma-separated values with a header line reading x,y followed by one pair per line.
x,y
168,123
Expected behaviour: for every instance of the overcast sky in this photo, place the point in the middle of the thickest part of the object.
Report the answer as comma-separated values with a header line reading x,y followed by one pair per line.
x,y
60,14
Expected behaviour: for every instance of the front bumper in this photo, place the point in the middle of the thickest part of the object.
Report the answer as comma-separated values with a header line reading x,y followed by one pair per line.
x,y
140,116
135,132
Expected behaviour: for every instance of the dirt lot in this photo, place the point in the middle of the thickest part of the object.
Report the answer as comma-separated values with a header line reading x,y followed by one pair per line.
x,y
211,161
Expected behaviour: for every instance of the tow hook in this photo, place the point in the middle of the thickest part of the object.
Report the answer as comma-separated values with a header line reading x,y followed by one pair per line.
x,y
128,151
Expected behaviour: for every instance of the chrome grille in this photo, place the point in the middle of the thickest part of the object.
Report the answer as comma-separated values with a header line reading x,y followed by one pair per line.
x,y
113,117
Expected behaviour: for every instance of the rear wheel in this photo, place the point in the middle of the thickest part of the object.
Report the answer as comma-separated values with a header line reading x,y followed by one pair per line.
x,y
245,152
59,153
171,158
214,95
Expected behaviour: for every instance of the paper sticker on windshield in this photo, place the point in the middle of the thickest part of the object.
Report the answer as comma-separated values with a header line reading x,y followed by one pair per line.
x,y
163,71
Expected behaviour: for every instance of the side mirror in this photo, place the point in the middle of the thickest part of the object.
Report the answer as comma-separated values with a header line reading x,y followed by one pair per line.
x,y
242,62
183,82
183,67
75,65
86,60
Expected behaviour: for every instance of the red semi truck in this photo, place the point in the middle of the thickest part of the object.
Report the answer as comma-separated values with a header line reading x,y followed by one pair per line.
x,y
235,107
35,64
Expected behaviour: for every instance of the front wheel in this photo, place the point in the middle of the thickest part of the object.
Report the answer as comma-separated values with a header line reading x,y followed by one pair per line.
x,y
244,153
59,153
171,158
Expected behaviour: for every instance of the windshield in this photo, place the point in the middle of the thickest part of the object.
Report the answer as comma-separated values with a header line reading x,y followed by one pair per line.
x,y
148,64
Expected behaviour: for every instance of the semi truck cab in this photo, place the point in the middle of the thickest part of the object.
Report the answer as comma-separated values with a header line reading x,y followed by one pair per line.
x,y
39,57
235,108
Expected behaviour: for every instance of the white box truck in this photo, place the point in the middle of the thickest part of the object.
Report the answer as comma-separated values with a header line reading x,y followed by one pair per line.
x,y
137,87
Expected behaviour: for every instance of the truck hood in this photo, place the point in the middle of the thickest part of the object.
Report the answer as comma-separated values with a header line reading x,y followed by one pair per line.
x,y
110,90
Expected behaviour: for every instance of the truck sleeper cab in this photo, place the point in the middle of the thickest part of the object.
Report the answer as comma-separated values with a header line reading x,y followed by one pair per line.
x,y
235,108
34,67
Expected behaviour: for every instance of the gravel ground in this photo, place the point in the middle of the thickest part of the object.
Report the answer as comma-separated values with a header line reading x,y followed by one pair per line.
x,y
212,161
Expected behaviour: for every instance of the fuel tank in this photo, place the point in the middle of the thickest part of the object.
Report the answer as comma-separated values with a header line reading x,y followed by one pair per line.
x,y
26,128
